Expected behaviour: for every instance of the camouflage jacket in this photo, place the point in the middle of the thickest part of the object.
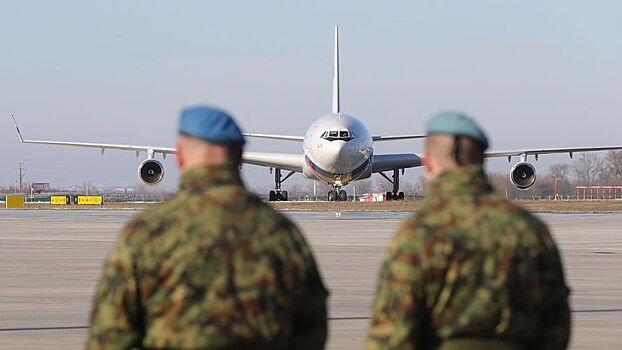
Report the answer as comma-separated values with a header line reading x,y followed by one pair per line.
x,y
213,268
470,264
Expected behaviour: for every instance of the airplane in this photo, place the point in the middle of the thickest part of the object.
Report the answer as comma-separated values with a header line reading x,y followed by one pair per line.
x,y
337,149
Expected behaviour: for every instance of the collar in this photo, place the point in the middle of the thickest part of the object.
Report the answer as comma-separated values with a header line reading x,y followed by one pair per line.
x,y
467,179
205,176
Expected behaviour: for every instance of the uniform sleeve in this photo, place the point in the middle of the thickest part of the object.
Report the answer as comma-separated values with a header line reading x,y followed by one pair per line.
x,y
398,311
115,321
555,330
310,319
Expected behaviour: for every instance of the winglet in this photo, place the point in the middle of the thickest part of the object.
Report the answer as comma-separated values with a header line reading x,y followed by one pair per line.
x,y
21,139
336,107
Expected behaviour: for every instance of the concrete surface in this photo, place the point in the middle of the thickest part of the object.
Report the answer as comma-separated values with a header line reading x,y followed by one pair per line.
x,y
50,261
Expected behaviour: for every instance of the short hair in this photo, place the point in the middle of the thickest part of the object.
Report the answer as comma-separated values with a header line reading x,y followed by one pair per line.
x,y
453,150
233,149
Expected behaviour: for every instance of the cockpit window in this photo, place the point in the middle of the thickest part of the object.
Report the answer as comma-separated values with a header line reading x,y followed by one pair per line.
x,y
333,135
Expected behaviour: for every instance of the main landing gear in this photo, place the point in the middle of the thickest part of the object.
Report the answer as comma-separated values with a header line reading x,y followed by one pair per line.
x,y
277,195
396,194
337,195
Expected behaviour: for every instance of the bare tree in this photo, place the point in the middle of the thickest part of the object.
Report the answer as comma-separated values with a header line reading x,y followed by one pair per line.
x,y
421,184
321,189
362,186
560,171
614,162
88,188
408,188
382,185
588,167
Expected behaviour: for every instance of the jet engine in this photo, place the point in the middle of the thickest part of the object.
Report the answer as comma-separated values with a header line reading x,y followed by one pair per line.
x,y
150,172
523,175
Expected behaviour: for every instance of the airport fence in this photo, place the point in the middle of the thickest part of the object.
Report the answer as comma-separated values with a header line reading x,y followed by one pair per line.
x,y
599,192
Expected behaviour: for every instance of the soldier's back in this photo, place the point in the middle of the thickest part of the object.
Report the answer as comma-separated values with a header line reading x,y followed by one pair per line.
x,y
494,267
218,268
479,266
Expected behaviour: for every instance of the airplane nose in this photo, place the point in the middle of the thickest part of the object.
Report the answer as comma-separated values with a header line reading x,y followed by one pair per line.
x,y
342,157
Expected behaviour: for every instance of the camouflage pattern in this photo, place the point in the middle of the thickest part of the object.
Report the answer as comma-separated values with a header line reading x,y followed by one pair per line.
x,y
213,268
470,266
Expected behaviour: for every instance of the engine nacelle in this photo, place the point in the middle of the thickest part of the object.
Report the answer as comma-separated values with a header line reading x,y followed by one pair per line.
x,y
150,172
523,175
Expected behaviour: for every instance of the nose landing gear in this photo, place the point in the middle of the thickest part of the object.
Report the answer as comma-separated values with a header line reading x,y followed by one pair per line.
x,y
337,195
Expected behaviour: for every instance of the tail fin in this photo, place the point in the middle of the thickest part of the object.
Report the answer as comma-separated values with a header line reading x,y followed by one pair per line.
x,y
336,107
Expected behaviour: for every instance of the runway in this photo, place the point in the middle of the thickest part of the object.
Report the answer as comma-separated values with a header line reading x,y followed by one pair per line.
x,y
50,261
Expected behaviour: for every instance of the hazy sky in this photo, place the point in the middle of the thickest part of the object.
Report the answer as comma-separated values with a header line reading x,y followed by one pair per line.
x,y
534,73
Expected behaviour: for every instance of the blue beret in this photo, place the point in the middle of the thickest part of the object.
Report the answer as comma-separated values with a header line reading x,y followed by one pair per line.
x,y
457,124
210,124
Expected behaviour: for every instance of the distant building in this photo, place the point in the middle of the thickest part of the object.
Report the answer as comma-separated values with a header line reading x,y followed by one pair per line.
x,y
39,187
372,197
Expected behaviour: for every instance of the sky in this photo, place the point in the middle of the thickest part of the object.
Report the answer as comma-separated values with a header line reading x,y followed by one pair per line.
x,y
533,73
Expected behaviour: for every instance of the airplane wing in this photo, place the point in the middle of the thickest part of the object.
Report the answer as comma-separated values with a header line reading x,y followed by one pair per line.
x,y
291,162
301,138
276,137
286,161
102,146
386,162
395,138
538,151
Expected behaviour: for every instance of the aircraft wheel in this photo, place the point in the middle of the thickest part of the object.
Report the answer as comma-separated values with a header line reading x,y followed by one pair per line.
x,y
284,196
389,196
401,196
332,196
343,196
272,196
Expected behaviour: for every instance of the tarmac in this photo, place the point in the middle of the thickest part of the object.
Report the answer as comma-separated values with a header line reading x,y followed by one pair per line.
x,y
50,261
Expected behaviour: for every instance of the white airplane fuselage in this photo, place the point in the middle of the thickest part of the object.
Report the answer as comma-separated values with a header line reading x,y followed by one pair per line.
x,y
338,149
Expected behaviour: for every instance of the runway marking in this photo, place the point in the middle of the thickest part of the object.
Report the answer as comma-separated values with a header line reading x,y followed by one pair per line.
x,y
42,328
597,310
56,239
350,318
353,318
22,301
350,244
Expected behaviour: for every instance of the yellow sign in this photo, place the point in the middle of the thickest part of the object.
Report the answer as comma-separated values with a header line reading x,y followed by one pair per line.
x,y
90,199
15,202
60,200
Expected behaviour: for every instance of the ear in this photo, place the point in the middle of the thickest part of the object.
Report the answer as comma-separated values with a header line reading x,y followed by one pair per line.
x,y
180,158
430,165
240,152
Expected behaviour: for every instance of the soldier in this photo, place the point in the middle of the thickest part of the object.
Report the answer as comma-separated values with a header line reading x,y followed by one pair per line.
x,y
214,267
470,270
